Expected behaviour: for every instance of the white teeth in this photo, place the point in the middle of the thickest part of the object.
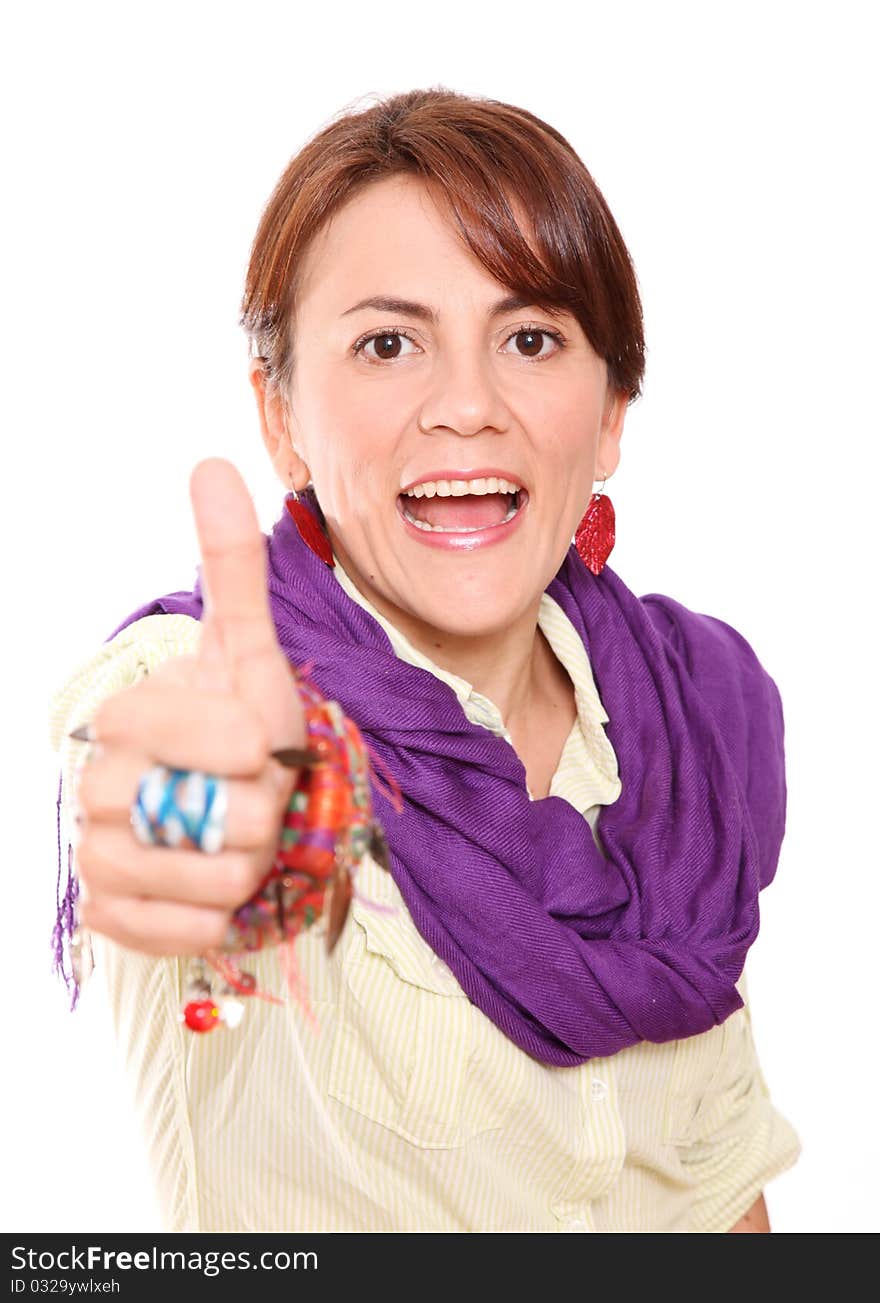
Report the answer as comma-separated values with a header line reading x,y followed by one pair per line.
x,y
459,488
457,529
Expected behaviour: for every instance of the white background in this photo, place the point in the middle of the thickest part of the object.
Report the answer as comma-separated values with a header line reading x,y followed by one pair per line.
x,y
736,146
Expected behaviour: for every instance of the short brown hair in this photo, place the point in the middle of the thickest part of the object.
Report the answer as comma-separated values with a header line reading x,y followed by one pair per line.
x,y
475,151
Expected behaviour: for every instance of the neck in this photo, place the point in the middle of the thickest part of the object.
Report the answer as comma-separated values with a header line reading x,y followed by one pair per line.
x,y
515,667
509,667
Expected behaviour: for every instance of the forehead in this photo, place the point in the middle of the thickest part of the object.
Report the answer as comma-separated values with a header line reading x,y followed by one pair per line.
x,y
391,236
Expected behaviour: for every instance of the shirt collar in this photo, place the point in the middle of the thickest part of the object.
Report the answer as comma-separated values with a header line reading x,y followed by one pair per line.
x,y
557,629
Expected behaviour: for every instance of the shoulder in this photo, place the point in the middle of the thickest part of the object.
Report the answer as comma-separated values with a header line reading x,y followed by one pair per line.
x,y
125,658
702,640
744,703
720,661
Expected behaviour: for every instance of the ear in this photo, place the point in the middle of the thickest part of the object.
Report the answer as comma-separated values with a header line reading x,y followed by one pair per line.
x,y
610,433
274,425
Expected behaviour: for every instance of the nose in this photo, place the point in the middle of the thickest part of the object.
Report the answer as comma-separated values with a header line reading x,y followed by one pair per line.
x,y
464,395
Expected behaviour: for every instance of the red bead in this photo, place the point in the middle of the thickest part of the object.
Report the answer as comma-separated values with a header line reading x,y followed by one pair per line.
x,y
201,1015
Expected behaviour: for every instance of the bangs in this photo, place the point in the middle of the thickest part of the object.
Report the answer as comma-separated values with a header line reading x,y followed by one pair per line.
x,y
519,232
515,190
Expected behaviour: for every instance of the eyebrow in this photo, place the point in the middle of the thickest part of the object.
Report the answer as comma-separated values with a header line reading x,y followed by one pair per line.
x,y
408,308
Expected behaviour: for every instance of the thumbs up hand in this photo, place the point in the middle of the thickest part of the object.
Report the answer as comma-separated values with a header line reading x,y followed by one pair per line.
x,y
239,651
223,710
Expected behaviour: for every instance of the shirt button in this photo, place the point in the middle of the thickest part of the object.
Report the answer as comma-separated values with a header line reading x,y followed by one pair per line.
x,y
598,1089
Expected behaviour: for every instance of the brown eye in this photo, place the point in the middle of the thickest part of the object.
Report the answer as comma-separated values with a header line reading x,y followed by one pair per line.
x,y
383,345
533,342
530,341
387,346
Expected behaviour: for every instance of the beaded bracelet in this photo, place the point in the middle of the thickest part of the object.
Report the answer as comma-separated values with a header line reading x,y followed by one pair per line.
x,y
328,828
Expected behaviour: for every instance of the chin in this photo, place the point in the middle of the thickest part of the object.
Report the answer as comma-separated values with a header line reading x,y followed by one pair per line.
x,y
463,619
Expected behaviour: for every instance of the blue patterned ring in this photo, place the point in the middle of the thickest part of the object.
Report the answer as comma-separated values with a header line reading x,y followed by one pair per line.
x,y
181,807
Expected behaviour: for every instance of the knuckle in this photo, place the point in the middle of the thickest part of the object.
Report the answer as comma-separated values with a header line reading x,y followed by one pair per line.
x,y
242,723
86,877
103,872
93,917
84,789
95,784
85,852
215,931
111,922
238,880
253,742
115,719
263,816
105,718
92,875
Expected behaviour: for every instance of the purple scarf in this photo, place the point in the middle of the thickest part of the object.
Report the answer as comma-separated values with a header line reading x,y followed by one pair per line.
x,y
572,954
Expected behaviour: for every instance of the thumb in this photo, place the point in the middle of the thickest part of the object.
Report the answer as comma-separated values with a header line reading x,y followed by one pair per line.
x,y
234,571
213,672
239,639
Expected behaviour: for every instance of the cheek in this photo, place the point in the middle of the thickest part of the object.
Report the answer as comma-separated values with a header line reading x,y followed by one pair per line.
x,y
357,492
567,458
567,455
567,410
343,453
356,450
357,414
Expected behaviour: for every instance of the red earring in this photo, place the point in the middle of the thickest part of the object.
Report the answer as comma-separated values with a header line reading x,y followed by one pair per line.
x,y
309,528
594,538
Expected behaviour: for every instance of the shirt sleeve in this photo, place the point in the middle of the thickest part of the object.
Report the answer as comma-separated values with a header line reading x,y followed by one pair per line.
x,y
142,991
120,663
124,660
738,1140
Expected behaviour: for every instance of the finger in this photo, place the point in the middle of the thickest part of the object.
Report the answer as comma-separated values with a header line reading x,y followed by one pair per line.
x,y
157,927
183,728
233,550
110,861
108,786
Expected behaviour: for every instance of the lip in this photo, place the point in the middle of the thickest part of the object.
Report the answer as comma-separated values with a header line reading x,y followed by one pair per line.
x,y
465,540
481,473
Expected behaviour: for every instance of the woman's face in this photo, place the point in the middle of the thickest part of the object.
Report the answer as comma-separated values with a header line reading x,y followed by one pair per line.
x,y
384,397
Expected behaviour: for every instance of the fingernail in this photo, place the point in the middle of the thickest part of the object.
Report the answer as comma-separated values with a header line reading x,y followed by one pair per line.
x,y
84,733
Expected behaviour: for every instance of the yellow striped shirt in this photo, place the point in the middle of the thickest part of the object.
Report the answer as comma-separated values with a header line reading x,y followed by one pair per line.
x,y
407,1109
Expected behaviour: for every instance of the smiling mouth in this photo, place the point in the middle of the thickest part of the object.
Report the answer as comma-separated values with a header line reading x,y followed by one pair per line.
x,y
467,513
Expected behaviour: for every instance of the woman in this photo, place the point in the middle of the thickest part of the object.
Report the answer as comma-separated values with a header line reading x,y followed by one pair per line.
x,y
535,1021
